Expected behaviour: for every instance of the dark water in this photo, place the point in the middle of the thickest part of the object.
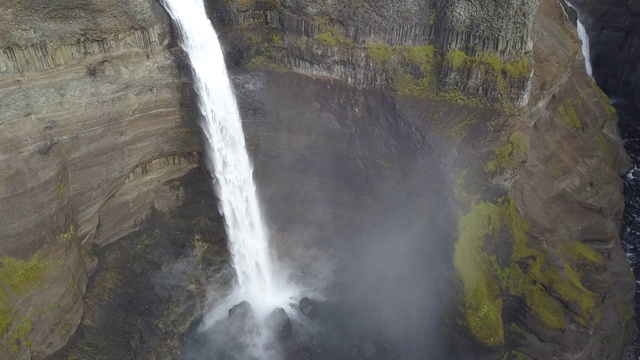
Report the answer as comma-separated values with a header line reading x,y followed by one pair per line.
x,y
629,124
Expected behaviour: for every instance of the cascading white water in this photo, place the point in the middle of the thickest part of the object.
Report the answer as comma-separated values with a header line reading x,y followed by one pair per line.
x,y
582,33
228,158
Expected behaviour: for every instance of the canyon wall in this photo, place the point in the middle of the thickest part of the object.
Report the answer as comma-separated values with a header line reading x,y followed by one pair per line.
x,y
535,161
93,133
482,112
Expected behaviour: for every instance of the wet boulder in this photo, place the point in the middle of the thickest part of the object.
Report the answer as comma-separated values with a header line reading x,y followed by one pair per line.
x,y
243,324
278,323
307,307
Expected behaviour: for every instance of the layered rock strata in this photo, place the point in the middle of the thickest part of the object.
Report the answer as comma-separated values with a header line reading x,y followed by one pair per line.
x,y
92,132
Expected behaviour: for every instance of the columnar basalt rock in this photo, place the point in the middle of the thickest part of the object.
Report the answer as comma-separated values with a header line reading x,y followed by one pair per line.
x,y
325,38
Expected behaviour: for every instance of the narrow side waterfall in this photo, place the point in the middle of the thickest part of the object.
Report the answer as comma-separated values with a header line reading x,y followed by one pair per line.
x,y
582,33
228,158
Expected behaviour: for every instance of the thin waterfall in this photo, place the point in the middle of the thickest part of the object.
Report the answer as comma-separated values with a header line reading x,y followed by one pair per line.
x,y
582,34
228,158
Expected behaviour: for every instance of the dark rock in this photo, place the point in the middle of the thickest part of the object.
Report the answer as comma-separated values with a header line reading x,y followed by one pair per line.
x,y
162,290
278,322
303,354
137,268
242,322
368,349
307,307
635,173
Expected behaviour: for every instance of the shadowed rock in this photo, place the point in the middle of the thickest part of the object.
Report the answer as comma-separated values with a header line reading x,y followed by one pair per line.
x,y
278,322
243,324
307,307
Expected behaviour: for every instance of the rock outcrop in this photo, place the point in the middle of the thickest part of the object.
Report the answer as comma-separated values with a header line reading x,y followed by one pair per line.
x,y
449,49
93,129
542,181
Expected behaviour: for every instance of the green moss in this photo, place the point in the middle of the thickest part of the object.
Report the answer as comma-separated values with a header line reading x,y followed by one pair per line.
x,y
19,338
518,68
330,38
457,59
505,76
577,251
22,277
380,54
6,318
549,291
483,303
264,63
411,69
508,156
69,236
61,190
545,288
569,116
456,96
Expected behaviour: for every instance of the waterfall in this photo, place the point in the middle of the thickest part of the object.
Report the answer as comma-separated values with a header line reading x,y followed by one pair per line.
x,y
229,160
582,34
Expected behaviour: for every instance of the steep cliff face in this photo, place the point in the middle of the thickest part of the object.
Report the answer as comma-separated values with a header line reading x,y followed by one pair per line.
x,y
92,133
538,254
614,29
363,117
454,50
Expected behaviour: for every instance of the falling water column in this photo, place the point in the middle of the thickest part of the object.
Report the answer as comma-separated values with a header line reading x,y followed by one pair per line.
x,y
227,156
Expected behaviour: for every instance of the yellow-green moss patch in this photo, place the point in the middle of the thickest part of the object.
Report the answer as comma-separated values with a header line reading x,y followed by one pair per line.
x,y
330,38
578,251
546,279
379,53
518,68
6,317
482,300
19,338
569,116
22,277
508,156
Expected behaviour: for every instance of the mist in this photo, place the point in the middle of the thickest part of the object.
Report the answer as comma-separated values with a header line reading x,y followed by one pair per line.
x,y
360,213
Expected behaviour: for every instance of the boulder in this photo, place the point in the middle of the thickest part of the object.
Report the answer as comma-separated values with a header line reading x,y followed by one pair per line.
x,y
243,324
307,307
278,323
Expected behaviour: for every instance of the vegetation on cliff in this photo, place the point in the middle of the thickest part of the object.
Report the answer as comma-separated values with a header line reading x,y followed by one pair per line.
x,y
509,155
543,276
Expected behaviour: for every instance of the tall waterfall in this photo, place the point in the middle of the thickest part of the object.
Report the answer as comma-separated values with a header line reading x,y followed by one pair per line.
x,y
228,158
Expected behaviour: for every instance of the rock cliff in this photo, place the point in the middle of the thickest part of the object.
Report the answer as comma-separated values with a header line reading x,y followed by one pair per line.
x,y
541,270
446,119
93,131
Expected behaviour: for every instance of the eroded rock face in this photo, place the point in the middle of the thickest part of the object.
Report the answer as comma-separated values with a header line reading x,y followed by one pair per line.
x,y
454,48
92,131
398,108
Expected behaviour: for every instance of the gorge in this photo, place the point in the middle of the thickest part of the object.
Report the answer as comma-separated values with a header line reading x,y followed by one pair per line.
x,y
443,177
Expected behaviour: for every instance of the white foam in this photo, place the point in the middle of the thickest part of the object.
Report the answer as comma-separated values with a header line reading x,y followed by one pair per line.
x,y
259,280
